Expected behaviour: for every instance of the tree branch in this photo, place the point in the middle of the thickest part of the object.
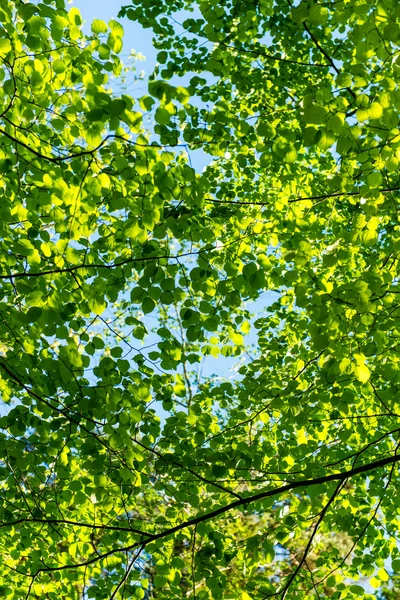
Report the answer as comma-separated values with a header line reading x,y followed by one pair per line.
x,y
340,477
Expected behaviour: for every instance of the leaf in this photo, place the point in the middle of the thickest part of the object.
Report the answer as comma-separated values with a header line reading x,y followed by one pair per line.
x,y
357,589
75,17
104,51
97,305
315,114
24,247
318,15
362,373
96,114
5,46
375,111
63,457
99,26
116,27
114,42
392,31
374,179
117,106
300,12
383,575
326,140
374,582
148,305
58,66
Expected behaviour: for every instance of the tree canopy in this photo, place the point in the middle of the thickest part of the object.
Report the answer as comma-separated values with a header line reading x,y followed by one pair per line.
x,y
128,468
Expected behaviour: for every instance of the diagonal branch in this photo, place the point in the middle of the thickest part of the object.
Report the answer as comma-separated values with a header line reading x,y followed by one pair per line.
x,y
126,574
323,52
243,502
292,577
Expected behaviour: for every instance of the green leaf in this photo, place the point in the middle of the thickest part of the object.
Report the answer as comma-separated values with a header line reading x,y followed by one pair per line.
x,y
117,106
96,114
24,247
326,140
5,46
362,373
116,27
148,305
315,114
375,111
374,179
357,589
318,15
97,305
99,26
114,42
58,66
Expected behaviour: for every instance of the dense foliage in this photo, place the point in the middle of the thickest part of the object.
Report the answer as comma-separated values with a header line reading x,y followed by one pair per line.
x,y
128,470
